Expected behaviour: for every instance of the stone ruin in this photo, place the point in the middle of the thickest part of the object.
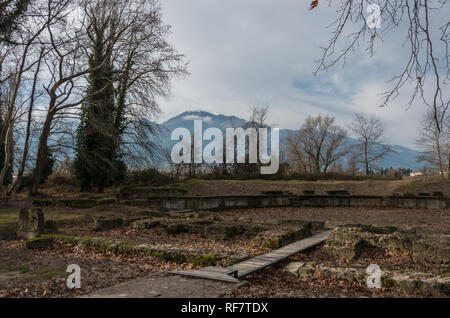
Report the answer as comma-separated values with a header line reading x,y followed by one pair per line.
x,y
349,241
31,223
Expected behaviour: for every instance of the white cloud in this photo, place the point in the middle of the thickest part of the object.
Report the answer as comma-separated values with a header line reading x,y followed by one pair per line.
x,y
242,52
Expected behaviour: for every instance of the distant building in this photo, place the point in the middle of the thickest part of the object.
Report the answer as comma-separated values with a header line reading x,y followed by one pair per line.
x,y
416,174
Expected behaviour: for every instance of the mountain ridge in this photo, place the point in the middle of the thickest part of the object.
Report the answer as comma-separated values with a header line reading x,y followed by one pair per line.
x,y
403,157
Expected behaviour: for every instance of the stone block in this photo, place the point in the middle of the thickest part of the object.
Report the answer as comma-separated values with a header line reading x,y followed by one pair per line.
x,y
283,235
31,223
40,243
108,224
50,226
432,249
223,231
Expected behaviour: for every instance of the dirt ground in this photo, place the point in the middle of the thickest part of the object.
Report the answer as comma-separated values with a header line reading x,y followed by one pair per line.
x,y
34,273
31,273
424,221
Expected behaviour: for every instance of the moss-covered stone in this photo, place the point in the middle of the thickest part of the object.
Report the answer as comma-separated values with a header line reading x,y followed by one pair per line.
x,y
31,223
177,228
43,202
106,201
165,252
348,241
254,230
82,204
374,229
408,281
397,242
50,227
283,235
223,231
108,224
144,224
40,243
432,249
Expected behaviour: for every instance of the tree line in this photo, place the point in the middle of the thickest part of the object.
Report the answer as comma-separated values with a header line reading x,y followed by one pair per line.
x,y
80,76
320,147
83,77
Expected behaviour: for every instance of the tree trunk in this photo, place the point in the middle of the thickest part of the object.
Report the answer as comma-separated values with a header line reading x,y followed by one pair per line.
x,y
317,165
8,154
366,159
439,153
42,151
17,183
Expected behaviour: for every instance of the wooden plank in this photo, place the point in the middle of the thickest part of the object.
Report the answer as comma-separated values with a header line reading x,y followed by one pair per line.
x,y
231,273
220,270
259,262
208,275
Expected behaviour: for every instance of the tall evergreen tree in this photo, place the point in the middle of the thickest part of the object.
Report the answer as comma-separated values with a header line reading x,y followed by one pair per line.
x,y
131,63
96,136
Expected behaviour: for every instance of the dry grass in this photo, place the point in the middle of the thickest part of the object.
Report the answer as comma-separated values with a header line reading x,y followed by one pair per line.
x,y
368,187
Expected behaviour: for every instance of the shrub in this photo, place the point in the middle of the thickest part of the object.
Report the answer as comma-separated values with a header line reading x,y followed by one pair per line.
x,y
62,175
148,177
282,175
27,178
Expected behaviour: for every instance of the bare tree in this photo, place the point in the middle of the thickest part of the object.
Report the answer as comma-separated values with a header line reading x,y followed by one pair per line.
x,y
143,63
67,66
371,146
258,115
427,66
318,144
352,166
299,159
18,180
22,59
435,144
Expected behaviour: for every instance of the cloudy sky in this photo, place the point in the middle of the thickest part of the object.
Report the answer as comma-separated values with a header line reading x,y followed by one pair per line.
x,y
244,52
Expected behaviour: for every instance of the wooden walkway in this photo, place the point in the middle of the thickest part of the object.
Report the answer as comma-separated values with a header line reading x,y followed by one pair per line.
x,y
232,273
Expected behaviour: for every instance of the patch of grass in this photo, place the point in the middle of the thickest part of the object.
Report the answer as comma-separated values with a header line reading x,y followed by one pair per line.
x,y
203,260
41,273
44,273
8,215
193,182
389,283
8,219
19,269
425,185
8,227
